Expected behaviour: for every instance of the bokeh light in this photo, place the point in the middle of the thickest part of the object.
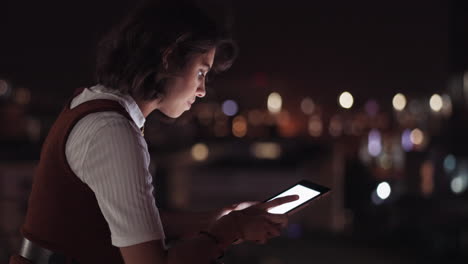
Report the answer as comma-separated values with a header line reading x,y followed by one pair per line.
x,y
346,100
266,150
384,190
427,178
315,126
274,102
450,163
200,152
446,105
336,126
436,103
406,143
374,143
3,88
375,198
230,108
307,106
385,161
417,136
458,184
399,102
239,126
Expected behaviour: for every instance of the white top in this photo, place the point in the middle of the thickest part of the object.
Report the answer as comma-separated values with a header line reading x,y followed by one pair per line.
x,y
107,152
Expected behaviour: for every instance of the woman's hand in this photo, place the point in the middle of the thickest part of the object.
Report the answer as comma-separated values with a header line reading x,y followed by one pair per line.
x,y
253,223
258,225
235,207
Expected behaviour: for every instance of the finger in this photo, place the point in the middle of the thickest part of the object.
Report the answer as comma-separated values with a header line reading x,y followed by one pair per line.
x,y
238,241
281,219
284,225
243,205
273,231
279,201
224,211
263,230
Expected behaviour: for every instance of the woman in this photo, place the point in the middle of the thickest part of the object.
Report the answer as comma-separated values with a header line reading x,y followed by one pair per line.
x,y
91,200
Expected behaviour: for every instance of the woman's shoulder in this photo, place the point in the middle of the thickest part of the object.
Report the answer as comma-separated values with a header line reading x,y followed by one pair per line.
x,y
103,122
105,118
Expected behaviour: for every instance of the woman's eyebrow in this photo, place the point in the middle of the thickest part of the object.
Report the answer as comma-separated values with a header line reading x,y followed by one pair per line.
x,y
206,64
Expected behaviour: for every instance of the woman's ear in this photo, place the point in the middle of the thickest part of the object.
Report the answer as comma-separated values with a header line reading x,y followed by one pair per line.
x,y
166,54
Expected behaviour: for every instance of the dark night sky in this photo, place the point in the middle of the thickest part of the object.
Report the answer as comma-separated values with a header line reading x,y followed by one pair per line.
x,y
317,48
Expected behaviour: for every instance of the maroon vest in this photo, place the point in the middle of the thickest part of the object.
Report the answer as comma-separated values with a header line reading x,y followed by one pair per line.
x,y
63,214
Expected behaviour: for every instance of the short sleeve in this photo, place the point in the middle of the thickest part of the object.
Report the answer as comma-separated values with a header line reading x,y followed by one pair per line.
x,y
115,167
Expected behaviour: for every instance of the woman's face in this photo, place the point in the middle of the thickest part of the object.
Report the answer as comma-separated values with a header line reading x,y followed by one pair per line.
x,y
188,84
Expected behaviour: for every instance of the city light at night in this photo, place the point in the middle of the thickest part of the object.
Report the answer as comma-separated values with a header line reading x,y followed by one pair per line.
x,y
399,102
406,143
239,126
459,184
384,190
266,150
3,88
274,103
336,126
200,152
446,105
374,143
417,136
230,108
307,106
346,100
436,103
450,163
315,126
364,103
427,178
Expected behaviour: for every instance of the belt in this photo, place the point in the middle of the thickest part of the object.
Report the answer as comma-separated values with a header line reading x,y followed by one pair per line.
x,y
39,255
34,253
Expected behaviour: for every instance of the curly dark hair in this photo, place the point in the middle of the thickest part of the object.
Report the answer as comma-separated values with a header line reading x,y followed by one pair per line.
x,y
155,41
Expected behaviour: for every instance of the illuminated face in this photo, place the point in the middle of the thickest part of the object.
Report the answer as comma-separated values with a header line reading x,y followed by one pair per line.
x,y
182,89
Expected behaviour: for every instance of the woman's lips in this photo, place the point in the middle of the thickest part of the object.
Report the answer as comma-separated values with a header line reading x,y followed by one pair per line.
x,y
189,103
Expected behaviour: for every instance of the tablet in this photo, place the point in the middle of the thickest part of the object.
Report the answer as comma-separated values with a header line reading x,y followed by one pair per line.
x,y
307,191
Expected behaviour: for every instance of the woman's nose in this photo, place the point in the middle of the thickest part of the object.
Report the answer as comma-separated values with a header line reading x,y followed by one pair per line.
x,y
201,91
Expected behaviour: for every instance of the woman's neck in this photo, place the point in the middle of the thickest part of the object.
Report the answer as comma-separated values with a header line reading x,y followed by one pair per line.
x,y
147,107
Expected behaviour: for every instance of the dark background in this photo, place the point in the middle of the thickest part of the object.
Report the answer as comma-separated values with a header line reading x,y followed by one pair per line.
x,y
374,49
315,49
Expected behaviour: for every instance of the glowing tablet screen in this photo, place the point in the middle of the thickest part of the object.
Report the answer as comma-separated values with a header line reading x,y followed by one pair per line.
x,y
305,194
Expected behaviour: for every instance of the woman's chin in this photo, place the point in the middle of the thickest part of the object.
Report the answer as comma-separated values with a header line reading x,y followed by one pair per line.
x,y
173,114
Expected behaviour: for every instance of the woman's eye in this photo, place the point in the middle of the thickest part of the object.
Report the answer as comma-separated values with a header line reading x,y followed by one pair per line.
x,y
201,74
